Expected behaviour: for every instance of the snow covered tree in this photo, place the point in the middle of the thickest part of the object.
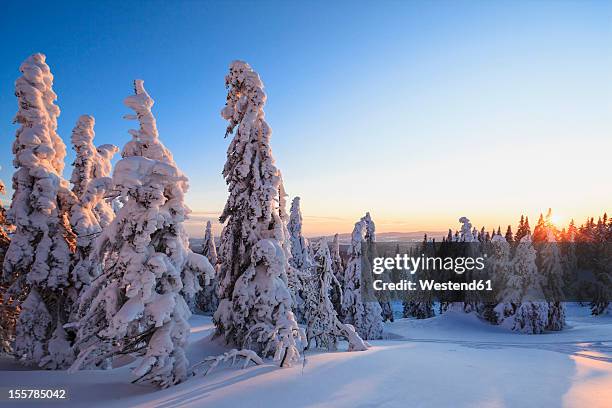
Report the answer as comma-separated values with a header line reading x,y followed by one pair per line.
x,y
552,280
91,181
365,316
301,260
136,305
254,298
522,307
322,323
370,240
500,270
38,259
509,235
207,300
300,255
338,270
8,303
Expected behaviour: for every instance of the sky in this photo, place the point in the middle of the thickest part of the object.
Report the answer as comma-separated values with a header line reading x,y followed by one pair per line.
x,y
418,111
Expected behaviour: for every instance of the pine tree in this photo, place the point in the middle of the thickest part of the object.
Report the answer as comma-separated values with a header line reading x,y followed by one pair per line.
x,y
552,280
370,240
509,235
207,299
338,270
136,305
254,299
322,323
9,309
300,256
521,307
37,262
91,181
365,316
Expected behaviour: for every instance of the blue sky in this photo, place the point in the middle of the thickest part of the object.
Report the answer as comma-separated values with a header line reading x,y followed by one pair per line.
x,y
419,112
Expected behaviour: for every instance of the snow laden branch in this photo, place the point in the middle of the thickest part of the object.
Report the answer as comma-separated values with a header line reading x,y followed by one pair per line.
x,y
210,363
136,306
255,303
37,262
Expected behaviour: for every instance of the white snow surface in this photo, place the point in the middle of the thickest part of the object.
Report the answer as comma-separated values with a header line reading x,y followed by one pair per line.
x,y
450,360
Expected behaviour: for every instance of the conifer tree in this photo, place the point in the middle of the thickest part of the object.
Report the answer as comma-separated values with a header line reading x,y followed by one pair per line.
x,y
323,325
509,236
91,181
37,262
254,298
207,299
9,309
136,305
365,316
338,270
552,280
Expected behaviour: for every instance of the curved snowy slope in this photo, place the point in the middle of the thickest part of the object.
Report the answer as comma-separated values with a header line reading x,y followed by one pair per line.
x,y
452,360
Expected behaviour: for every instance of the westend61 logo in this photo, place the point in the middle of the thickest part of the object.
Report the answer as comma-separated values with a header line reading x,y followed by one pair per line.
x,y
485,272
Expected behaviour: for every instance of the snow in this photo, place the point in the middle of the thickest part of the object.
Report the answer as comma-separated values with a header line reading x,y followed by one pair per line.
x,y
420,363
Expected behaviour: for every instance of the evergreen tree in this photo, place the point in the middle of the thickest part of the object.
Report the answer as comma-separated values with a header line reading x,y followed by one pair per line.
x,y
323,325
338,270
136,306
9,309
206,300
91,181
254,299
365,316
552,281
38,259
521,307
509,235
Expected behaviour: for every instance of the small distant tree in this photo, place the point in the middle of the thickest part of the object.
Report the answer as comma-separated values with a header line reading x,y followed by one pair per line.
x,y
323,325
365,316
206,299
338,270
522,307
509,236
552,281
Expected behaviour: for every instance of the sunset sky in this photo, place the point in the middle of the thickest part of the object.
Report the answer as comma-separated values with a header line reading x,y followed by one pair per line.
x,y
419,112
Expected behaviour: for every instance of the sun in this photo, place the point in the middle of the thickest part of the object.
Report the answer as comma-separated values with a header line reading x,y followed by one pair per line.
x,y
556,220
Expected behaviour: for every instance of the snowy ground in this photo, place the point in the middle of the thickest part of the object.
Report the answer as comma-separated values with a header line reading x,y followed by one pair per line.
x,y
453,360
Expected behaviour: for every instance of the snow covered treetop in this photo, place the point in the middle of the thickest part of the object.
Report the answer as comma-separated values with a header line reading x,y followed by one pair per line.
x,y
37,144
248,98
145,141
83,133
498,239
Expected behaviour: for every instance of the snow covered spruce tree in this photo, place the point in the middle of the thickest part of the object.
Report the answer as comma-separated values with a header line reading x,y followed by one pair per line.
x,y
323,325
206,299
90,180
38,259
366,317
254,299
301,259
338,269
370,240
136,305
551,270
500,270
8,303
522,307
